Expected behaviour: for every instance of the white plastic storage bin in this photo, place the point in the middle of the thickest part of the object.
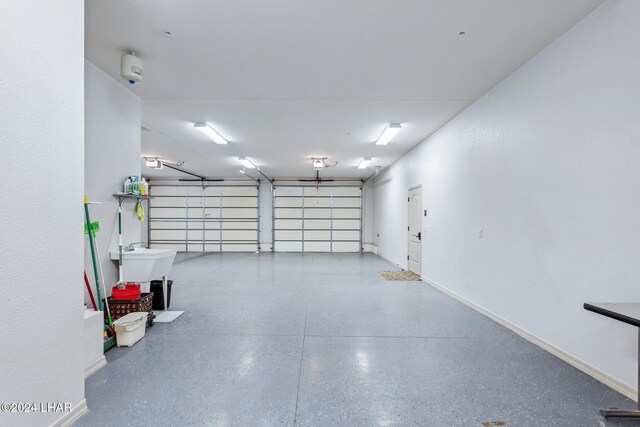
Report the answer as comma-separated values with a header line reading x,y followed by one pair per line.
x,y
130,328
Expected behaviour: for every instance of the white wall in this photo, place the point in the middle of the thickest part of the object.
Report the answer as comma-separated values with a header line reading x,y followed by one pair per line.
x,y
41,147
112,152
546,163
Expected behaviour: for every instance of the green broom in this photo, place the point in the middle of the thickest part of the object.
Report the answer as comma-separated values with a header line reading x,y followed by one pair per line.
x,y
92,245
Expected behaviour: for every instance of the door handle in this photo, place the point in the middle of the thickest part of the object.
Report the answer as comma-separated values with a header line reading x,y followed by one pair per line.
x,y
419,235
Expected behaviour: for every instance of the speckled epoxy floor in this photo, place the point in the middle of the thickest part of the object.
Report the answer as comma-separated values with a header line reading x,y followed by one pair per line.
x,y
323,340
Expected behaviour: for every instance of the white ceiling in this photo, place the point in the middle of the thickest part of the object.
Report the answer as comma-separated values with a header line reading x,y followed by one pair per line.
x,y
284,80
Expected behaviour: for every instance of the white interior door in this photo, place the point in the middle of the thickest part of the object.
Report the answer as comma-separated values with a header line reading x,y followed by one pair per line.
x,y
415,230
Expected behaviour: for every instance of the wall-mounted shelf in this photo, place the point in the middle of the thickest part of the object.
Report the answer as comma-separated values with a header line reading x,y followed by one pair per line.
x,y
123,196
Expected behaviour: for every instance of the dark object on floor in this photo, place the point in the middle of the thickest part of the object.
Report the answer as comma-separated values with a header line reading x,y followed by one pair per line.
x,y
122,308
402,275
109,343
158,294
493,423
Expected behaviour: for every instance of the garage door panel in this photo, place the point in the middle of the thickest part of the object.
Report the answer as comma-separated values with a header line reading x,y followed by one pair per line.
x,y
195,202
317,213
194,191
348,224
239,235
288,191
288,224
211,213
346,246
167,245
239,247
317,235
164,225
346,202
194,225
168,202
288,235
195,235
319,224
195,213
317,246
288,213
215,192
240,202
167,234
242,225
317,202
347,191
235,213
315,191
346,235
210,235
212,202
167,191
346,213
288,246
169,212
239,191
288,202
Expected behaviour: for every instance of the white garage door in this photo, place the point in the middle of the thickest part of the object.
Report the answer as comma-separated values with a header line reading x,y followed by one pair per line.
x,y
213,218
310,219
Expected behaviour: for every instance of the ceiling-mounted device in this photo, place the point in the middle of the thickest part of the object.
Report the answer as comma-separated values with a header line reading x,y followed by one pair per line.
x,y
157,163
388,134
317,180
209,132
321,163
131,68
154,163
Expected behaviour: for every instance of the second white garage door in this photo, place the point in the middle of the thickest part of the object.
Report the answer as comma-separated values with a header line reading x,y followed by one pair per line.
x,y
324,219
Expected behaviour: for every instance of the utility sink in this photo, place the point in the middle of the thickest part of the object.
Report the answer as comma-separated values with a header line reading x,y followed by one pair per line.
x,y
144,265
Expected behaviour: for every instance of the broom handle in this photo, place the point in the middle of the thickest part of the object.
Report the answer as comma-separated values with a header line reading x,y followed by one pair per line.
x,y
93,301
120,274
93,254
106,299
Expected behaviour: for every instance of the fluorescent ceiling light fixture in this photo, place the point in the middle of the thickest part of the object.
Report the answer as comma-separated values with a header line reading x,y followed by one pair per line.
x,y
388,134
364,163
210,133
246,162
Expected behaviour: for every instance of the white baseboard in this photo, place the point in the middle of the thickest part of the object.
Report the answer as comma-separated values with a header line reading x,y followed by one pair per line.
x,y
95,366
370,247
72,416
266,247
592,371
391,261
